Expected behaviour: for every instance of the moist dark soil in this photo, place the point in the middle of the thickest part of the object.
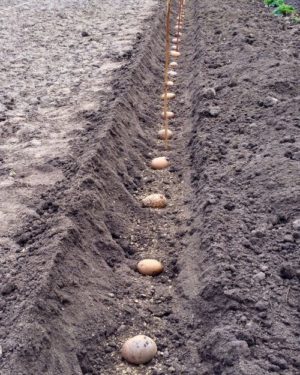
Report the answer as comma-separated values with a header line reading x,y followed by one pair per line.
x,y
228,301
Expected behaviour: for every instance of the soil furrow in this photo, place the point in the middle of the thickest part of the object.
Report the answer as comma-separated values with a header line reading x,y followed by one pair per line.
x,y
228,301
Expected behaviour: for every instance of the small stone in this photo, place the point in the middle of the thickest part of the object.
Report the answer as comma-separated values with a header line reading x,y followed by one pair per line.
x,y
122,328
253,125
287,271
296,362
8,289
262,315
288,238
260,276
296,224
277,361
264,268
273,368
261,306
250,38
259,233
209,92
296,156
229,206
240,347
127,247
268,323
267,102
288,139
84,34
214,111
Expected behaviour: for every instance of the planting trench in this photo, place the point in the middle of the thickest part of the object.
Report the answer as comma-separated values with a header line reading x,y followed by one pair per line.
x,y
228,301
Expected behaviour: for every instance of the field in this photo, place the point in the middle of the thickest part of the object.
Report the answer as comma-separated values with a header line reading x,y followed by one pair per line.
x,y
80,109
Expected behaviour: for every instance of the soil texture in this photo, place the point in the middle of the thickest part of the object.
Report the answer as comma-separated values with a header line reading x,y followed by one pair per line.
x,y
228,301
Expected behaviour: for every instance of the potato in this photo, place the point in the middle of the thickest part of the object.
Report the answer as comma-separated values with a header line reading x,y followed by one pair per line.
x,y
150,267
169,95
139,349
155,201
159,163
175,53
162,134
168,114
172,73
170,83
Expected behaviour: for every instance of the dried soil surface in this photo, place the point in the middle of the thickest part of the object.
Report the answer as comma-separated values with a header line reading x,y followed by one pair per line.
x,y
228,301
57,60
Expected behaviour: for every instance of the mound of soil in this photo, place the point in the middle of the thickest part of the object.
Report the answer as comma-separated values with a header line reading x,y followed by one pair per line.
x,y
244,148
228,301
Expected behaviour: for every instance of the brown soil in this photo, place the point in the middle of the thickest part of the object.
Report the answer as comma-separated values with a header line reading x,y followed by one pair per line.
x,y
228,302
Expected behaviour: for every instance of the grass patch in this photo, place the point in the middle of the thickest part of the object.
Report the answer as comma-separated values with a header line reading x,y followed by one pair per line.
x,y
273,3
282,9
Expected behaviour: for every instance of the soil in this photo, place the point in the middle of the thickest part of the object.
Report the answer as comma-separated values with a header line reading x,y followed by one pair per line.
x,y
71,189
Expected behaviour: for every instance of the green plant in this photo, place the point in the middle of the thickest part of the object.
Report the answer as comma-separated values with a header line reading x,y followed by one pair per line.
x,y
284,10
273,3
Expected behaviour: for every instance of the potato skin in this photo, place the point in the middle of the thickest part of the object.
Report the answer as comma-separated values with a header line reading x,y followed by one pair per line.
x,y
155,201
139,349
150,267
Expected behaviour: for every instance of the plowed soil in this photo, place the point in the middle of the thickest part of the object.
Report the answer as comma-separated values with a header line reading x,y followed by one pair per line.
x,y
74,171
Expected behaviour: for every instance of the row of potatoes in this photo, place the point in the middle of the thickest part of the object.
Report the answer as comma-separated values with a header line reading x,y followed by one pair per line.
x,y
142,349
